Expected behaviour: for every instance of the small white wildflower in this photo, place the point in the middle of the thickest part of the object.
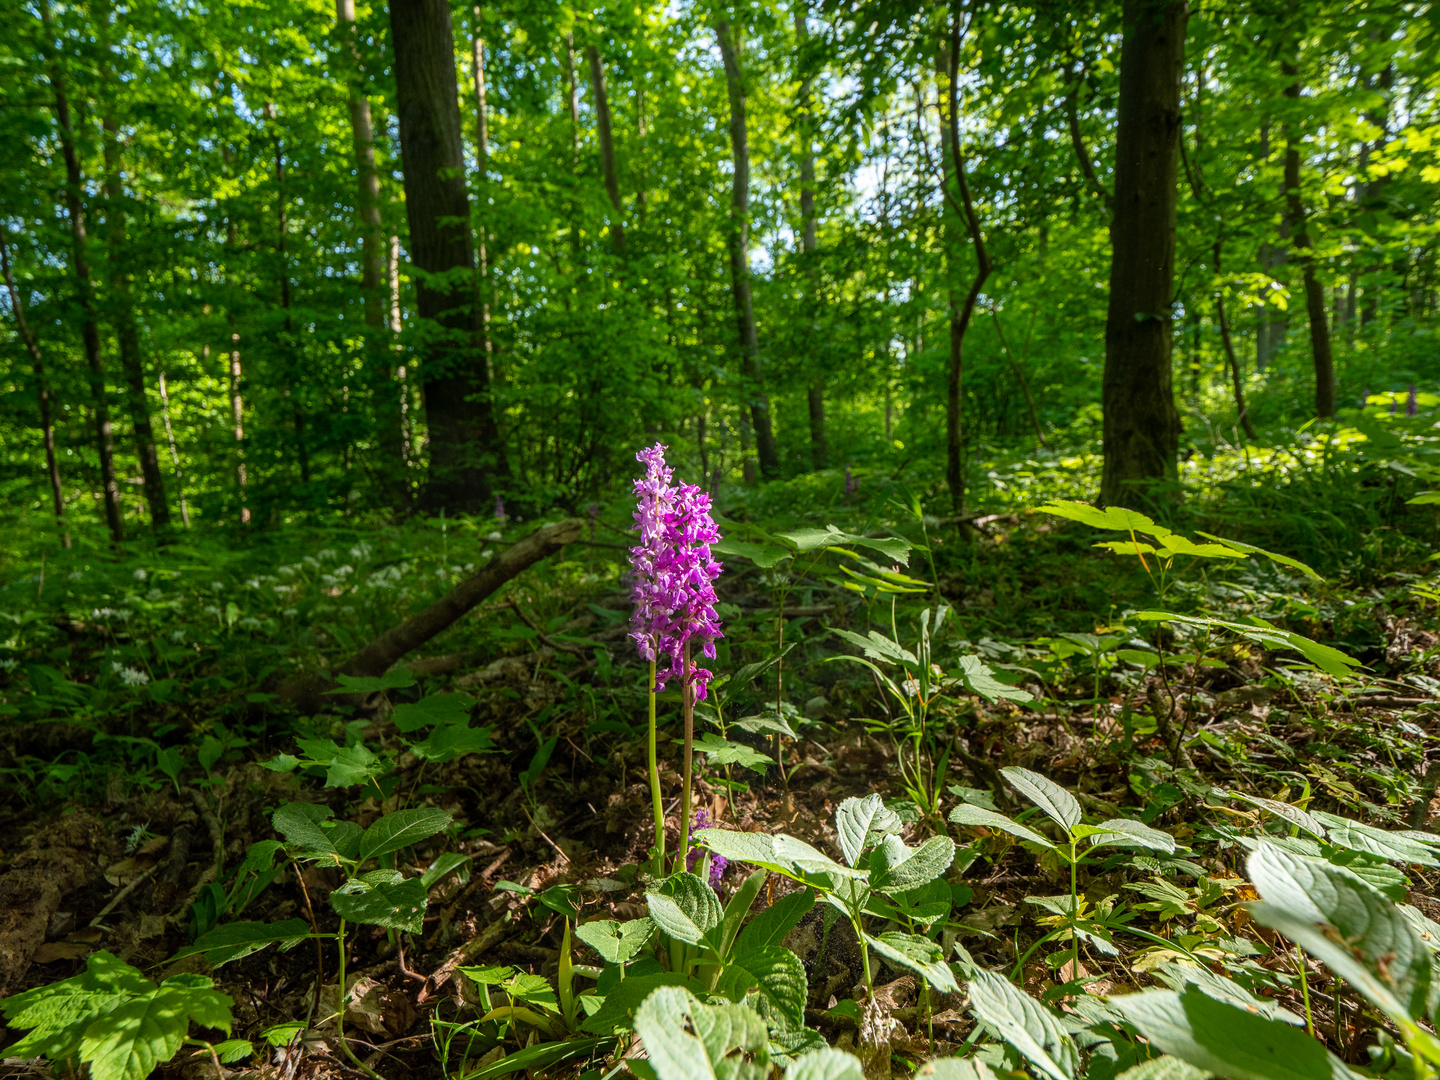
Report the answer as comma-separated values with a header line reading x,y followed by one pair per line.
x,y
496,535
177,636
249,623
141,575
360,552
133,677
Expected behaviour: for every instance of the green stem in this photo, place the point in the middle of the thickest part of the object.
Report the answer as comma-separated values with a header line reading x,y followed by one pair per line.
x,y
865,958
687,696
340,1017
1305,991
655,800
1074,911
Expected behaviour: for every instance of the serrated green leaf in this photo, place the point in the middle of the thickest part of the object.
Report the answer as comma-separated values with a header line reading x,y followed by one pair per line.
x,y
826,1064
1250,549
917,954
782,854
616,942
1025,1024
723,752
1164,1067
877,646
450,741
979,678
432,710
1360,837
1285,811
770,927
401,829
233,1050
862,822
1049,796
299,824
1122,832
60,1012
674,1054
685,907
1112,517
396,679
968,814
764,554
395,906
766,724
1224,1040
617,1011
779,977
923,864
955,1069
128,1042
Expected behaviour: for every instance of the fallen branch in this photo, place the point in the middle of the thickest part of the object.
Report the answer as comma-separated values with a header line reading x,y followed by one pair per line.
x,y
385,651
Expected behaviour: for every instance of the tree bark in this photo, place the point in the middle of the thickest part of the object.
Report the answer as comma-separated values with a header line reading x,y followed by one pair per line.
x,y
1141,424
808,244
287,341
740,256
127,335
962,309
174,451
89,323
607,146
466,458
1320,350
42,389
482,191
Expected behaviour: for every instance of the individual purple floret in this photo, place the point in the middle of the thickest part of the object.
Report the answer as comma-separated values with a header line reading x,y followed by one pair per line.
x,y
1412,402
674,573
718,863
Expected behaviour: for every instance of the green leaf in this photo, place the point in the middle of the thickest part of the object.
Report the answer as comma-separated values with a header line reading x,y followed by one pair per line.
x,y
979,678
1341,920
455,740
1164,1067
955,1069
765,724
826,1064
783,854
393,905
1283,810
773,925
967,814
779,977
764,554
723,752
283,1034
677,1055
923,864
1224,1040
128,1042
1329,660
1112,517
233,1050
299,824
443,865
616,942
395,679
432,710
917,954
877,646
1359,837
60,1012
617,1011
686,908
1250,549
1050,797
862,822
895,548
1122,832
234,940
1025,1024
540,1058
401,829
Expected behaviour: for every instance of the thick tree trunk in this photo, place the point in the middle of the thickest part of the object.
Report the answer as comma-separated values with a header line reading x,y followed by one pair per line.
x,y
808,242
962,306
1320,350
740,256
607,146
42,389
1141,424
466,458
89,322
127,335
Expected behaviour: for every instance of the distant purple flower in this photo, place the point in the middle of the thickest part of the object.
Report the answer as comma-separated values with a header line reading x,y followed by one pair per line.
x,y
850,484
718,863
1412,402
500,510
674,573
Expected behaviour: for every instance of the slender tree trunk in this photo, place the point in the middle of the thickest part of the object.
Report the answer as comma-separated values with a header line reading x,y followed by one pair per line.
x,y
89,322
1141,424
1320,349
482,190
287,344
127,335
607,146
1272,324
174,452
466,459
808,243
962,307
1237,384
1372,191
740,256
237,416
42,390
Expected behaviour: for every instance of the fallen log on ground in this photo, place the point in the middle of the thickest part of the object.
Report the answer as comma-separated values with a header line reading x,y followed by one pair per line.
x,y
380,654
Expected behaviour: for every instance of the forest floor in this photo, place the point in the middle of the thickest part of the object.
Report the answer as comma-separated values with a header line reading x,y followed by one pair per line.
x,y
141,700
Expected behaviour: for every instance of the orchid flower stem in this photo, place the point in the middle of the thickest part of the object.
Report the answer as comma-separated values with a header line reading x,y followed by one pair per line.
x,y
687,696
655,800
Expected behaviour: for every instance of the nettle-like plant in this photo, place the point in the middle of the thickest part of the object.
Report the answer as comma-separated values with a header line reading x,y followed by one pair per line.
x,y
915,683
881,878
119,1023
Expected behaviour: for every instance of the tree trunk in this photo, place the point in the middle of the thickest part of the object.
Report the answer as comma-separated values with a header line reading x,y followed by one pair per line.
x,y
42,389
174,451
607,146
962,308
808,242
237,416
482,191
287,342
465,453
1237,384
89,323
127,335
1320,350
1141,424
740,256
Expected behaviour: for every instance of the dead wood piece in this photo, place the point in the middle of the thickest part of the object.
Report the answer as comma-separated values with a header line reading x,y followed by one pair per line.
x,y
507,666
482,942
383,652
